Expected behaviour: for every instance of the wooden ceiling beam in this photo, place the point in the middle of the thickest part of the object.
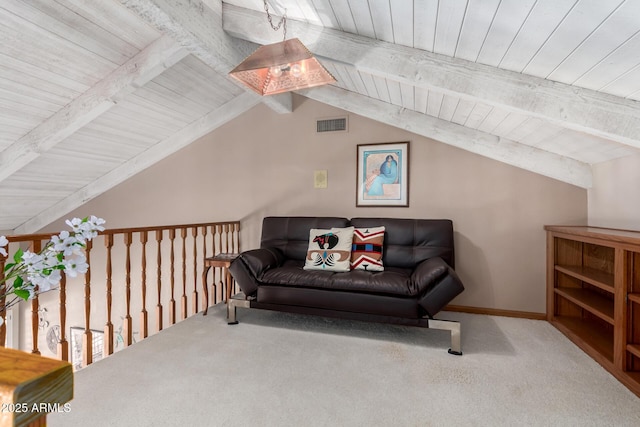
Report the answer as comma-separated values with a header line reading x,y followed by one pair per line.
x,y
199,128
146,65
198,29
572,107
494,147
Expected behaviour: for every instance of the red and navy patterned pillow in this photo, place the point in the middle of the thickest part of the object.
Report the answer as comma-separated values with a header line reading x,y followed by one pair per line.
x,y
366,249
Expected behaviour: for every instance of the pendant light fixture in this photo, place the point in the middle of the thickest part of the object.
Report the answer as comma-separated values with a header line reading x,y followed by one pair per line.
x,y
281,67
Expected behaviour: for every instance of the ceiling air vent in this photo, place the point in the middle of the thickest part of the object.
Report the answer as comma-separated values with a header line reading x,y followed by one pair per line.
x,y
336,124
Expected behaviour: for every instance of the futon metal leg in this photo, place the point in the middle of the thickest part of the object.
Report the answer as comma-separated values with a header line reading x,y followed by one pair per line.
x,y
452,326
231,309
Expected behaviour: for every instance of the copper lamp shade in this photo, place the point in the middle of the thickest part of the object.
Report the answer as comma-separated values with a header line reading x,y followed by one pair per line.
x,y
281,67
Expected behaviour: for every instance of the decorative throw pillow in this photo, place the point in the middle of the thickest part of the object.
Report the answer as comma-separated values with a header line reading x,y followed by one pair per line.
x,y
366,251
329,250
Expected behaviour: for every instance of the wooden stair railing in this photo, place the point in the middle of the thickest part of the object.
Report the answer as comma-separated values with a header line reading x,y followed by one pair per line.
x,y
121,251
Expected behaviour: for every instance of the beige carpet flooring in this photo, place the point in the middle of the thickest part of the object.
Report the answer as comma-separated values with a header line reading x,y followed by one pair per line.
x,y
276,369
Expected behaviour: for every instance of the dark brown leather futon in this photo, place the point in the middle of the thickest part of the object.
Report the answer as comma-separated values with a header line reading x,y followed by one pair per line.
x,y
418,279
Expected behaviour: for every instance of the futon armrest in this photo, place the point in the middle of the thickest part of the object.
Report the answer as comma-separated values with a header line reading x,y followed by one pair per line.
x,y
427,273
260,260
436,283
248,268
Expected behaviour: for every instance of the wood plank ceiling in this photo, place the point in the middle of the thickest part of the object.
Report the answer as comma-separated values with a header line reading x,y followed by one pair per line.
x,y
92,92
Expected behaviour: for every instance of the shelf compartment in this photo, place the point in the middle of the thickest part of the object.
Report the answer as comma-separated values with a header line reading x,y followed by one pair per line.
x,y
634,274
597,278
634,349
588,335
634,298
598,257
593,302
635,381
633,360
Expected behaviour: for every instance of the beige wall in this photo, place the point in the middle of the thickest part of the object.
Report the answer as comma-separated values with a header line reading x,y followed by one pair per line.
x,y
614,199
262,164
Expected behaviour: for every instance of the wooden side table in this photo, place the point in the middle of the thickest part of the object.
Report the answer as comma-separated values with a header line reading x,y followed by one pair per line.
x,y
223,261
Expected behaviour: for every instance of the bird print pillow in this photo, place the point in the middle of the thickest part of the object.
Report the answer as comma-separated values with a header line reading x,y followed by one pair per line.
x,y
329,249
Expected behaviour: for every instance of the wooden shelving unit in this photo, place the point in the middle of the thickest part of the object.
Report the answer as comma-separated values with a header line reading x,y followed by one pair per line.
x,y
593,295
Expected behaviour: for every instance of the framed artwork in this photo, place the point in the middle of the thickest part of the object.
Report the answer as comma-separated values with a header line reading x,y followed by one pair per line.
x,y
76,346
383,174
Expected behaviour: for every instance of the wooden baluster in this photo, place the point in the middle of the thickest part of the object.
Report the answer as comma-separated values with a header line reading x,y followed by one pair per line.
x,y
214,288
205,297
183,233
172,303
36,246
144,327
108,327
87,337
223,238
159,281
219,239
194,299
3,313
213,240
228,250
232,239
63,344
35,306
210,296
127,326
229,230
237,247
204,241
219,270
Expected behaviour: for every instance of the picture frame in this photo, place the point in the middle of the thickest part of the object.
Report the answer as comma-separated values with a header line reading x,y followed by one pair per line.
x,y
97,344
382,175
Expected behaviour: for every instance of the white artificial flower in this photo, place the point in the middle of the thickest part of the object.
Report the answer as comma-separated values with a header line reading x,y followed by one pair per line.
x,y
65,243
74,224
90,227
75,266
41,271
97,222
50,258
3,242
44,281
32,261
87,233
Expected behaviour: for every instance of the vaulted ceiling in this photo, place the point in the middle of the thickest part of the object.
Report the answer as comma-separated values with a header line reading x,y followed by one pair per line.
x,y
92,92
